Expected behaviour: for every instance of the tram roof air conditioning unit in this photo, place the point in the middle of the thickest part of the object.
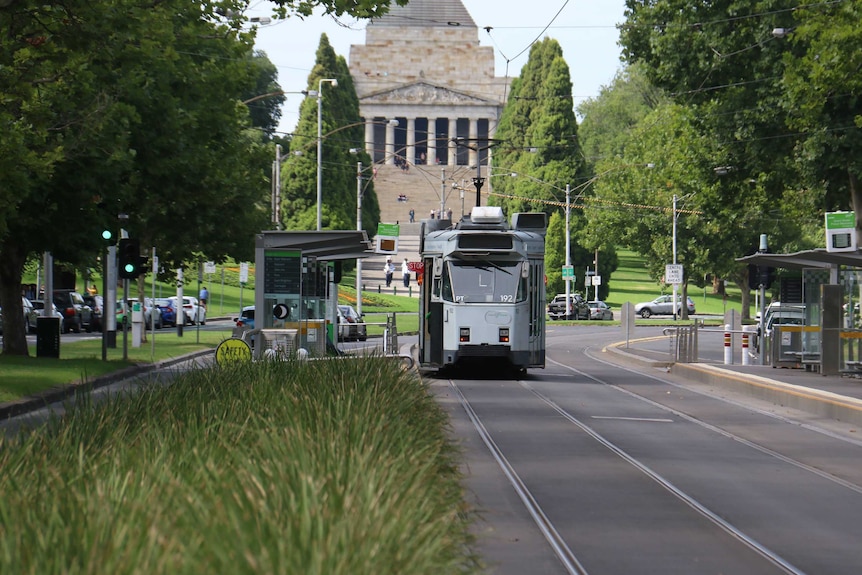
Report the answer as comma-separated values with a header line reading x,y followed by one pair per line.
x,y
487,215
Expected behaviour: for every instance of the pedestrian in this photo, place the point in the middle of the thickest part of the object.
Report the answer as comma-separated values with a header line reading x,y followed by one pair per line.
x,y
412,215
432,214
405,273
204,296
389,269
450,214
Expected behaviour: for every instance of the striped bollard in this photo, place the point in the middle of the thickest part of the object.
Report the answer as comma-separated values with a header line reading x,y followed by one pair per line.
x,y
728,351
746,358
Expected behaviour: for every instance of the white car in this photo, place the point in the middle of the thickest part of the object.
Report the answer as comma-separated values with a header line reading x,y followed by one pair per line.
x,y
193,311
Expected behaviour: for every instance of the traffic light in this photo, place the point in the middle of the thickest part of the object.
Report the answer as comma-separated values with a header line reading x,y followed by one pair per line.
x,y
760,276
107,235
129,255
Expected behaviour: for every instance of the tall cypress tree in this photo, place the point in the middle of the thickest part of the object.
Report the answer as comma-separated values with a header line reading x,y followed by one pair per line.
x,y
539,132
342,130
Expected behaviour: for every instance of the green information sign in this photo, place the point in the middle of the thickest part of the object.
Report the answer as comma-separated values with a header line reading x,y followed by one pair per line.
x,y
568,272
389,230
840,220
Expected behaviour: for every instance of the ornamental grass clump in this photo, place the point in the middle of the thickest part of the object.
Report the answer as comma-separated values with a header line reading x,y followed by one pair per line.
x,y
327,467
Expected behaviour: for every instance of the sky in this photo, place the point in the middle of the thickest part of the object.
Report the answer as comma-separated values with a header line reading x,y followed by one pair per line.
x,y
585,29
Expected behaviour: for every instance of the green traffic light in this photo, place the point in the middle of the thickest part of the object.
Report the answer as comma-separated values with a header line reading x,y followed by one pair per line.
x,y
106,234
129,268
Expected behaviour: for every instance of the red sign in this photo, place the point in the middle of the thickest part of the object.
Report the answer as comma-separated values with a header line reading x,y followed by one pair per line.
x,y
416,266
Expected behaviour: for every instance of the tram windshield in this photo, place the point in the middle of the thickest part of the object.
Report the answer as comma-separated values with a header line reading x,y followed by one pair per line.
x,y
484,281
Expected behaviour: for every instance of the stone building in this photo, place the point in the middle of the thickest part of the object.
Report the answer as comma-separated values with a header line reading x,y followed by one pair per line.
x,y
422,65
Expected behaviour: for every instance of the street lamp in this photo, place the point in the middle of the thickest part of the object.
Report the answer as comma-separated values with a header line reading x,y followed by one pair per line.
x,y
334,83
359,192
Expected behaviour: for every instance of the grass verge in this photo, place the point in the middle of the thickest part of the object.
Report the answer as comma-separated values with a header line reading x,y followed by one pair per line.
x,y
81,361
266,467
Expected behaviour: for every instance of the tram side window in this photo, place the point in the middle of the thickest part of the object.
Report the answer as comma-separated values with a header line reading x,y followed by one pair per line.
x,y
447,285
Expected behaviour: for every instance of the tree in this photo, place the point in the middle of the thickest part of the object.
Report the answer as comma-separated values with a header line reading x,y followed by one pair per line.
x,y
538,135
822,87
264,100
342,129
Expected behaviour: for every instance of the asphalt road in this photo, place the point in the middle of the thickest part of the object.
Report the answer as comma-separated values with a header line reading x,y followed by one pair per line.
x,y
591,467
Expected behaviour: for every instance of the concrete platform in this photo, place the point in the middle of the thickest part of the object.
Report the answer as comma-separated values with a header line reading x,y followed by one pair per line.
x,y
837,397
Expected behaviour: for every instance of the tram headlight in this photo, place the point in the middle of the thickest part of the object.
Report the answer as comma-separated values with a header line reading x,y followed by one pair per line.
x,y
504,335
464,334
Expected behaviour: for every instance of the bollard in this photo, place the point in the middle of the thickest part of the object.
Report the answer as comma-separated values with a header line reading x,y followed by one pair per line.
x,y
746,359
378,288
410,291
728,350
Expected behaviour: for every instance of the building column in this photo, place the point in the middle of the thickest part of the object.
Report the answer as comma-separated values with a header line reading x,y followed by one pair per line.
x,y
390,144
411,141
473,134
453,133
432,141
369,140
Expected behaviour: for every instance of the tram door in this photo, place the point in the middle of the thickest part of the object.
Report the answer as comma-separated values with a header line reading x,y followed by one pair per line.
x,y
537,312
430,318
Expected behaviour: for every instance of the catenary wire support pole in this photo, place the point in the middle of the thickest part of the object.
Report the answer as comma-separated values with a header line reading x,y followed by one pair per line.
x,y
334,83
359,229
276,189
568,252
675,286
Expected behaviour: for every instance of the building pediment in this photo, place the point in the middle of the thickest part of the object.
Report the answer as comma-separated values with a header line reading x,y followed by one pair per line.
x,y
422,93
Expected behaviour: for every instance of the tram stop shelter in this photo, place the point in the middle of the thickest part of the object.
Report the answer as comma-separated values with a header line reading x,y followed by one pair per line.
x,y
296,281
827,286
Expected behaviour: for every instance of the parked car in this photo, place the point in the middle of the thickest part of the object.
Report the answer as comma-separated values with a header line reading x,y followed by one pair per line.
x,y
30,316
124,315
351,325
168,310
192,310
662,305
600,310
97,309
578,308
39,307
151,312
76,313
246,318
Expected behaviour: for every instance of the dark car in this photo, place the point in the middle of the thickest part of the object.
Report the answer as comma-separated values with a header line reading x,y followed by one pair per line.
x,y
578,308
97,311
76,313
169,311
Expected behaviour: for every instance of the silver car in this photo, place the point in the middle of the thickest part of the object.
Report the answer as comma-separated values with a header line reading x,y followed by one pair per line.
x,y
662,305
600,310
30,316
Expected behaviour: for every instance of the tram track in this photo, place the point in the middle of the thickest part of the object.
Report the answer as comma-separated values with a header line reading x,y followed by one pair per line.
x,y
569,557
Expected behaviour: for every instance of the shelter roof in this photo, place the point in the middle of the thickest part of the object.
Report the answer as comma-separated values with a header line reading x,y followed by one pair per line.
x,y
819,258
328,245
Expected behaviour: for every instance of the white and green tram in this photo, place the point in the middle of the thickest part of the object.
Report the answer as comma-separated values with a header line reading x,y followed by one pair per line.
x,y
483,290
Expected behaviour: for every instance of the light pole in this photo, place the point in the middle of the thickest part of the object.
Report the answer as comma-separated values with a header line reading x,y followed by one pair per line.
x,y
334,83
675,285
569,251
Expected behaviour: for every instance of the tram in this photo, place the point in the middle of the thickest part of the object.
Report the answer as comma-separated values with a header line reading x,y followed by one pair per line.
x,y
482,299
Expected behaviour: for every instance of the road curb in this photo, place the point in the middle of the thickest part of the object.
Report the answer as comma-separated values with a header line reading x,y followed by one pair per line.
x,y
815,401
810,400
45,398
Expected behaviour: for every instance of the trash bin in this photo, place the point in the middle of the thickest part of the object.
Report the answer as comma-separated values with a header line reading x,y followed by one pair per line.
x,y
48,337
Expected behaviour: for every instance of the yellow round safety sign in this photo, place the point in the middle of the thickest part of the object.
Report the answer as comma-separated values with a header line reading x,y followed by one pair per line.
x,y
232,350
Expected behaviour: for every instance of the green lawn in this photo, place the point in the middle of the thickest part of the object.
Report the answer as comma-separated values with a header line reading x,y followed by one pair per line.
x,y
631,283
